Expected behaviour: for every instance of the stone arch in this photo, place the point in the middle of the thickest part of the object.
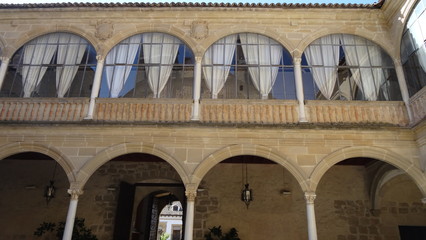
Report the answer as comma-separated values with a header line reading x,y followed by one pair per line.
x,y
370,152
21,41
178,33
248,149
377,38
124,148
20,147
204,45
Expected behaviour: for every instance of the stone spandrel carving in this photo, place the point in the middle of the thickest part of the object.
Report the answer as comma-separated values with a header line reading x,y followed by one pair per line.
x,y
199,30
104,30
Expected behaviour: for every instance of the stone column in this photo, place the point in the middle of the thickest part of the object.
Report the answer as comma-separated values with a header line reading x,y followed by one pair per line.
x,y
72,209
310,212
403,86
197,90
95,86
3,69
190,210
299,88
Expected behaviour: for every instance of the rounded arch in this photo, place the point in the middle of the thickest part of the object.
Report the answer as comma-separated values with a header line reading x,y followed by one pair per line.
x,y
124,148
379,39
280,38
20,147
247,149
173,31
21,41
370,152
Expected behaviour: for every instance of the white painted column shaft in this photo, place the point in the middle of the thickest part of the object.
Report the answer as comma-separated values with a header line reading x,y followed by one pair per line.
x,y
72,209
3,69
299,88
197,90
403,87
310,212
95,86
189,218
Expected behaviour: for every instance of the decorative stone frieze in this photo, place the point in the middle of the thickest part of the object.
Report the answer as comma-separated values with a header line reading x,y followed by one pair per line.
x,y
104,29
199,30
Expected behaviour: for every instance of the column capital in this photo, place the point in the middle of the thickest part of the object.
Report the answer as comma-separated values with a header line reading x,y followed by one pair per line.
x,y
4,59
100,58
397,62
310,197
198,59
297,60
75,193
191,195
424,200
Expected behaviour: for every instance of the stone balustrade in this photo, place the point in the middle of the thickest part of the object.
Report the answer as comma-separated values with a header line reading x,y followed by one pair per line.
x,y
268,112
418,106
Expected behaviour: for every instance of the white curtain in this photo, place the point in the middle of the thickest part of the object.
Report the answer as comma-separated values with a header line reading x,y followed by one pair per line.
x,y
218,58
160,52
121,57
262,52
70,52
37,53
324,53
366,65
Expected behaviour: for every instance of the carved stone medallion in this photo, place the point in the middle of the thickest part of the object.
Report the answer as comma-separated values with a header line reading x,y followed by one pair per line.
x,y
199,29
104,30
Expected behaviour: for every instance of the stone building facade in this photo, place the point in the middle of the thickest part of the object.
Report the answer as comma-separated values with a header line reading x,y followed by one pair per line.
x,y
338,164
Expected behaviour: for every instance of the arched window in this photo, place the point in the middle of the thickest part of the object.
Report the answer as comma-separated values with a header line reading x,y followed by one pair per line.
x,y
247,66
413,49
348,67
148,65
52,65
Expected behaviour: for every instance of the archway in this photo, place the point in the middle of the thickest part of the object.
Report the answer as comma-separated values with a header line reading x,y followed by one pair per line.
x,y
115,192
24,179
363,197
277,209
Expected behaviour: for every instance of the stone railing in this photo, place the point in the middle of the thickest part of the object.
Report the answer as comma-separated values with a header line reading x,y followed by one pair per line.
x,y
249,111
142,110
418,106
357,112
43,109
215,111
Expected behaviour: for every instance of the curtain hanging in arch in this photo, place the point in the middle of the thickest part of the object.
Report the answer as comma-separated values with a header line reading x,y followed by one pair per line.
x,y
323,56
218,57
366,65
265,54
37,53
160,51
70,52
124,54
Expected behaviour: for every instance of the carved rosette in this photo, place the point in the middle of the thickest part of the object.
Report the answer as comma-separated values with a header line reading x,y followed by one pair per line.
x,y
199,30
104,30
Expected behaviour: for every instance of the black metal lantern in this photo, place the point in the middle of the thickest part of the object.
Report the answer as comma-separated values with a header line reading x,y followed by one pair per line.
x,y
246,193
49,192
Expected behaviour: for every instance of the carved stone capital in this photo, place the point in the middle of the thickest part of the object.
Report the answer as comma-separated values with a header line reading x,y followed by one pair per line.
x,y
424,200
199,30
190,195
310,197
75,193
297,60
4,59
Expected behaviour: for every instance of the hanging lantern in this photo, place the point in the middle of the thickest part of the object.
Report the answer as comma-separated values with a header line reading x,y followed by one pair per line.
x,y
49,192
246,195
